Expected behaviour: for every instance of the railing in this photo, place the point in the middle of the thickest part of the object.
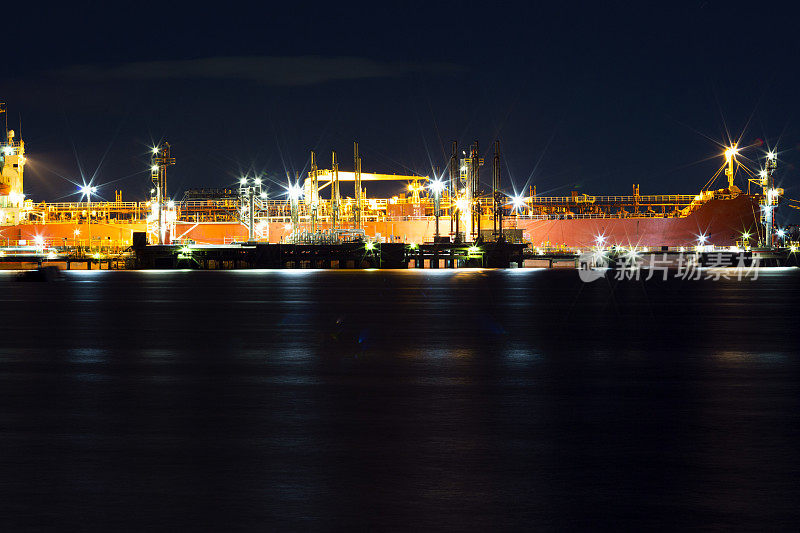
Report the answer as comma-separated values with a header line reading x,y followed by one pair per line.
x,y
373,209
584,199
82,206
593,215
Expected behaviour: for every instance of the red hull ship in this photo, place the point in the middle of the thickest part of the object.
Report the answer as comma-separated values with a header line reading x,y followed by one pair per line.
x,y
459,208
717,221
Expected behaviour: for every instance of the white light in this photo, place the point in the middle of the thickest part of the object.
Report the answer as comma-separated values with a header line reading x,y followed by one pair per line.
x,y
8,150
518,202
701,238
731,152
38,240
154,168
295,192
243,181
264,195
258,181
781,233
600,238
745,235
763,173
94,190
771,155
461,204
155,150
77,232
171,204
437,186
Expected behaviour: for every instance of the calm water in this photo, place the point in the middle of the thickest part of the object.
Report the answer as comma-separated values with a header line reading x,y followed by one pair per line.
x,y
398,400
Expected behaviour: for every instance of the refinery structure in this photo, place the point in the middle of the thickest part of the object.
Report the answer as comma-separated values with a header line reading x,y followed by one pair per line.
x,y
330,206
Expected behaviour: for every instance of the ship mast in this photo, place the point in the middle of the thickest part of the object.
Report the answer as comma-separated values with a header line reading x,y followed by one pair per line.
x,y
730,158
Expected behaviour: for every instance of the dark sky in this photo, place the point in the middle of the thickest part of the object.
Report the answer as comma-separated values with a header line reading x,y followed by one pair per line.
x,y
592,97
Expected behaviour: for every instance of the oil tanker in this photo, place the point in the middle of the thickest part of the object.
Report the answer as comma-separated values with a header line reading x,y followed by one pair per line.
x,y
455,206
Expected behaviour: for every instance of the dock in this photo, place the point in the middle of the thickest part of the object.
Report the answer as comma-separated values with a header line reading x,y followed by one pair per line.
x,y
352,255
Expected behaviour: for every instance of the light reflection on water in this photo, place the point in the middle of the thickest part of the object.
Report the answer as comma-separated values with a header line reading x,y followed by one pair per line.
x,y
470,399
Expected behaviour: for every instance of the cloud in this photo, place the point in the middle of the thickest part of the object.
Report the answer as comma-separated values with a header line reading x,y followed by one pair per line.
x,y
272,70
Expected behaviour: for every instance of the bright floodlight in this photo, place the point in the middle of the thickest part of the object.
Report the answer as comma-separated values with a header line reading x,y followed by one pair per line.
x,y
600,238
154,168
8,150
745,235
781,233
295,192
243,181
258,181
733,151
771,155
155,150
518,202
39,240
701,238
762,173
437,186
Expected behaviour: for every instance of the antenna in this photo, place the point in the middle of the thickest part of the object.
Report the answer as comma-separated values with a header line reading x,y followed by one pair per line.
x,y
3,110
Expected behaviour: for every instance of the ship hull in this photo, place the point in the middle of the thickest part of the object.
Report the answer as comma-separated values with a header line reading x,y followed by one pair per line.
x,y
721,221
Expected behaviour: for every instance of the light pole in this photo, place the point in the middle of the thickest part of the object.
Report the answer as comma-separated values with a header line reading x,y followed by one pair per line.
x,y
437,186
295,193
87,191
247,197
160,160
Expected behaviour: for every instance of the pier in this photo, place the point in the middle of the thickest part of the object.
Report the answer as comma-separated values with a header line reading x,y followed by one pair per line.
x,y
352,255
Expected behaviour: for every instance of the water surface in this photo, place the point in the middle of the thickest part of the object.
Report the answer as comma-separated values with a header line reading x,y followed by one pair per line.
x,y
403,400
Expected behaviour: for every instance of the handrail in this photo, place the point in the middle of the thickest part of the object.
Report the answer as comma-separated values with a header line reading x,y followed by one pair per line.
x,y
580,199
569,216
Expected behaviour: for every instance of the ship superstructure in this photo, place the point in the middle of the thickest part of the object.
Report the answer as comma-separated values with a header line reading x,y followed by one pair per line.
x,y
12,163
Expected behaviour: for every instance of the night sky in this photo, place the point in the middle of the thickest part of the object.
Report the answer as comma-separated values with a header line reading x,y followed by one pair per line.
x,y
583,97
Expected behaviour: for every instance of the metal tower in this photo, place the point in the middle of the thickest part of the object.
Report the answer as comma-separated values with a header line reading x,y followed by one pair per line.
x,y
252,199
497,196
357,170
313,195
161,159
770,198
454,191
335,198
